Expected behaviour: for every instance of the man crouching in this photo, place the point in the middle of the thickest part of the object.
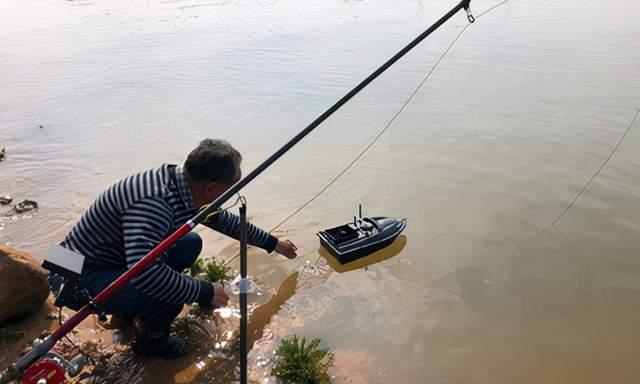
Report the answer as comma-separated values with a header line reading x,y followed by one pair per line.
x,y
134,215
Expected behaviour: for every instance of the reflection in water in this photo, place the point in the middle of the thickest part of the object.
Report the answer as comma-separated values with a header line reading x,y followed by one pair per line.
x,y
226,313
261,316
222,367
384,254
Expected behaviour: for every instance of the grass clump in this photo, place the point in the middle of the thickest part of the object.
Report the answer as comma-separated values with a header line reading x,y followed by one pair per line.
x,y
196,327
210,270
301,363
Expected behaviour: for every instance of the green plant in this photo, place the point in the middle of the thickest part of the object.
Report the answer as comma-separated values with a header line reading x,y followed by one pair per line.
x,y
198,318
210,270
196,268
301,363
216,272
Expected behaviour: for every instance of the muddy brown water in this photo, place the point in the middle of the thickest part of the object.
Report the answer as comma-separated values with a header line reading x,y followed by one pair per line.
x,y
515,121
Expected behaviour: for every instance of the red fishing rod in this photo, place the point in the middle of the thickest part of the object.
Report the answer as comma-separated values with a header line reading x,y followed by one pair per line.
x,y
17,369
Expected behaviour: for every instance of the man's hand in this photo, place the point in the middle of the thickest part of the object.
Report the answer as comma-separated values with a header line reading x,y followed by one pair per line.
x,y
220,297
286,248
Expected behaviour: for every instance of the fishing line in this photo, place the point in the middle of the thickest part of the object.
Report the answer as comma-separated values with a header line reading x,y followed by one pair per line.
x,y
584,187
240,198
582,190
388,125
384,129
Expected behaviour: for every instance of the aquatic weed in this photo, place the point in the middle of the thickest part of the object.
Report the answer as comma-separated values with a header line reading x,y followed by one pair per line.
x,y
210,270
121,368
197,327
196,268
301,363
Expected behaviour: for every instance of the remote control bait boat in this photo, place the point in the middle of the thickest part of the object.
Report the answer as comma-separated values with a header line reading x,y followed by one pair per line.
x,y
361,237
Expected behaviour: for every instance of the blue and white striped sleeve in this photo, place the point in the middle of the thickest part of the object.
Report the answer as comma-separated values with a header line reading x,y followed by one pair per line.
x,y
145,224
229,224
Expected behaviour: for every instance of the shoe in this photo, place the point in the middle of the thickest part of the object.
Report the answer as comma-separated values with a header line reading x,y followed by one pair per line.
x,y
123,320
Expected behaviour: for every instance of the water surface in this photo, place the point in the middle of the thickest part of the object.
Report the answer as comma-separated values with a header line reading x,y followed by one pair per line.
x,y
513,123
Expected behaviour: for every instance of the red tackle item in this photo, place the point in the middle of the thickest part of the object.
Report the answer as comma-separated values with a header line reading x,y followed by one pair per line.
x,y
46,369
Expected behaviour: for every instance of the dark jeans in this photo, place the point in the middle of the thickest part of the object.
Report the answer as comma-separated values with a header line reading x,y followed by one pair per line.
x,y
128,300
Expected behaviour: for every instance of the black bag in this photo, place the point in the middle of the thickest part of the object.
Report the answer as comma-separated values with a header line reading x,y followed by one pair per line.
x,y
68,292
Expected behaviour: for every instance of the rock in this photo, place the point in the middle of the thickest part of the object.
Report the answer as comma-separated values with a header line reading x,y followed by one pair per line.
x,y
6,199
3,153
23,283
22,207
7,336
25,206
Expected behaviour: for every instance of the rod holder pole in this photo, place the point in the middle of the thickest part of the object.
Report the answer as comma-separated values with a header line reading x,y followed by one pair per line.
x,y
244,287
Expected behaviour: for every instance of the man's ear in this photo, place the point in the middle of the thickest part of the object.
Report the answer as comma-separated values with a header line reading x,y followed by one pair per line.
x,y
215,189
211,188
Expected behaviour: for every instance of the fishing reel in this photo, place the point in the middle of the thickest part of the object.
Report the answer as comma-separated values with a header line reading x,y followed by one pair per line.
x,y
53,368
45,371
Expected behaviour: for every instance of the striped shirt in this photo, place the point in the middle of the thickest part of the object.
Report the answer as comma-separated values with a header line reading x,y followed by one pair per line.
x,y
134,215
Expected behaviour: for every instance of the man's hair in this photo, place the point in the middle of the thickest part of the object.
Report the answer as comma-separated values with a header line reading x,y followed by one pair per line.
x,y
215,161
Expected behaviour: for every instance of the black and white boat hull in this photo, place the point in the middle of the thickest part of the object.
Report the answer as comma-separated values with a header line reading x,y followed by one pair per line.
x,y
361,238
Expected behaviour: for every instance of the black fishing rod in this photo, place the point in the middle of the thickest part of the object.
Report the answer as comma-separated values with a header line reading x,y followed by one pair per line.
x,y
244,282
463,4
18,368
